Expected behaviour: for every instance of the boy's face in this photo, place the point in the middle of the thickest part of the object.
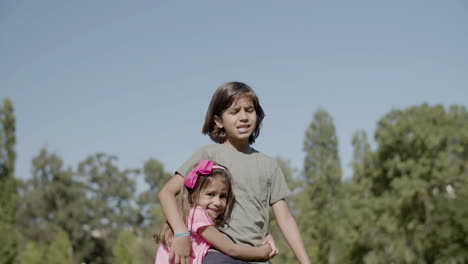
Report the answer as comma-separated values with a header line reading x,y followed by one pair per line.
x,y
239,120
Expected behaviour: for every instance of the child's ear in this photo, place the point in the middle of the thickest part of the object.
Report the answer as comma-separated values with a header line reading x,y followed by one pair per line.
x,y
218,121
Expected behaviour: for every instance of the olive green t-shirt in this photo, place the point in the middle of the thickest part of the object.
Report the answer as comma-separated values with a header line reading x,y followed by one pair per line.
x,y
258,183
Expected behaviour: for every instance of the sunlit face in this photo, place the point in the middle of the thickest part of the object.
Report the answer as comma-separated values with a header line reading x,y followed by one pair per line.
x,y
239,120
214,197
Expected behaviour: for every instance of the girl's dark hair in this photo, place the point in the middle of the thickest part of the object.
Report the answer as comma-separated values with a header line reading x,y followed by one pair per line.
x,y
222,99
189,198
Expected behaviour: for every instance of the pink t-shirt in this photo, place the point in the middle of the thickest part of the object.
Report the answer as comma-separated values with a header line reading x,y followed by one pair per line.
x,y
196,219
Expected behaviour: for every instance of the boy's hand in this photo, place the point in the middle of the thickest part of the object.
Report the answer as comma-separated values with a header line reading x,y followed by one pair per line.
x,y
181,250
271,242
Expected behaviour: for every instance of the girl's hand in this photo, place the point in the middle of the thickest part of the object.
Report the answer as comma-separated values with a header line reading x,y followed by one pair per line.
x,y
266,251
181,250
271,242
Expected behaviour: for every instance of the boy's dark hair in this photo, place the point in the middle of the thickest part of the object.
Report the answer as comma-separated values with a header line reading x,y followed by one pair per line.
x,y
222,99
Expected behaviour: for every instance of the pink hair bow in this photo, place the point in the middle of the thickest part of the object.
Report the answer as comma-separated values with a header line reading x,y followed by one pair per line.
x,y
204,167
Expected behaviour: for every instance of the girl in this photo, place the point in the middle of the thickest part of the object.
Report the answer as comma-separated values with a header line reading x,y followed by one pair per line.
x,y
233,121
205,203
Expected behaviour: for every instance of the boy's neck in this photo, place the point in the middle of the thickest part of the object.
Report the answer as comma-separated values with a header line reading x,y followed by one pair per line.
x,y
243,147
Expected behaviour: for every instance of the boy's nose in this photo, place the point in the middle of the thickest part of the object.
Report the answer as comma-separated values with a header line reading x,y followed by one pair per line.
x,y
243,115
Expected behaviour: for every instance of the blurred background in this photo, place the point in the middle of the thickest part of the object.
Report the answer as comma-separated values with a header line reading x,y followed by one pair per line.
x,y
365,104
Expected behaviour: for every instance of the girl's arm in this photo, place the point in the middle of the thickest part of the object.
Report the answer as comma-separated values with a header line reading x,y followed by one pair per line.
x,y
270,241
241,252
290,230
181,246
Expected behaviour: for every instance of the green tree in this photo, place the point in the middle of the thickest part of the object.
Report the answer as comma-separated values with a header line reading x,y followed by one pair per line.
x,y
52,201
8,195
110,192
32,254
155,178
59,251
359,202
361,151
152,217
320,201
416,184
7,140
124,248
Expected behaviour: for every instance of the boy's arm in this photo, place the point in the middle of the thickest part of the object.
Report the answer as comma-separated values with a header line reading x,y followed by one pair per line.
x,y
181,246
241,252
290,230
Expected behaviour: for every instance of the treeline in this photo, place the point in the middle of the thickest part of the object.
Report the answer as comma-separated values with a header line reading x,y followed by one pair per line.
x,y
406,202
407,199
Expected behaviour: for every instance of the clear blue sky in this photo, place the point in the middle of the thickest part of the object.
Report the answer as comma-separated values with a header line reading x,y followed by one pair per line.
x,y
134,78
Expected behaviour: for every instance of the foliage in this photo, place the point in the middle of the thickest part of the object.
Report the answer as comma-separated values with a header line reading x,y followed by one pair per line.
x,y
59,251
109,193
155,178
413,187
320,202
151,213
9,243
7,139
52,202
406,202
8,195
31,254
123,249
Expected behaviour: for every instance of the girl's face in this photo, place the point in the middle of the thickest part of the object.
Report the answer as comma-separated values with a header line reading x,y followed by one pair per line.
x,y
214,197
239,120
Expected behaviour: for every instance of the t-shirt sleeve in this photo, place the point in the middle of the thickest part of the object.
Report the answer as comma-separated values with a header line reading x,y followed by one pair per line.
x,y
279,187
199,218
192,161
